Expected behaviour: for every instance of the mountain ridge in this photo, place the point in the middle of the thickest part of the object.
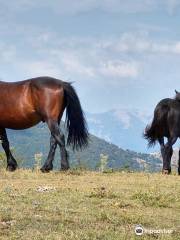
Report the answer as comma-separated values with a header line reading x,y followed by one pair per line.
x,y
35,140
123,127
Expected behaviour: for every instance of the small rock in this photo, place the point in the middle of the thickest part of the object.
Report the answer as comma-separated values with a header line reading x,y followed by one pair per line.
x,y
8,223
45,189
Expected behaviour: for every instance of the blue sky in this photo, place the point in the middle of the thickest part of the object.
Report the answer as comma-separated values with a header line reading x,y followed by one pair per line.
x,y
121,54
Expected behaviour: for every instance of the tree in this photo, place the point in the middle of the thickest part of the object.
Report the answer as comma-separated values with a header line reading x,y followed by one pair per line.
x,y
103,162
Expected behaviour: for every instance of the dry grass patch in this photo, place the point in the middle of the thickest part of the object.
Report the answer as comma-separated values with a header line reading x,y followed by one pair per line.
x,y
87,205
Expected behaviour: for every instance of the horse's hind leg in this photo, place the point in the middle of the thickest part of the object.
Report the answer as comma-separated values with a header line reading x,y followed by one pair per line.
x,y
48,165
54,128
179,163
163,154
11,162
64,154
161,143
168,151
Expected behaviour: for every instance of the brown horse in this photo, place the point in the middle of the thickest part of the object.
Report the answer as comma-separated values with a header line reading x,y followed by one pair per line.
x,y
26,103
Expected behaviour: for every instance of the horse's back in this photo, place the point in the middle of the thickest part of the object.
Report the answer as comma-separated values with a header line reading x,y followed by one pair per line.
x,y
11,92
43,82
37,81
163,103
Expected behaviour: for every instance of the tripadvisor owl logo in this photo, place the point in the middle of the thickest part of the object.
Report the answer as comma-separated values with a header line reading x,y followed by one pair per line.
x,y
139,230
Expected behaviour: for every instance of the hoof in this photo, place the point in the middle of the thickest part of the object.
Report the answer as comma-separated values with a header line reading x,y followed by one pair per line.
x,y
11,168
46,169
166,171
65,168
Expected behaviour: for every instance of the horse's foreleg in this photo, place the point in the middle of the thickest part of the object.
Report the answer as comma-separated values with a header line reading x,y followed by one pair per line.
x,y
48,165
11,162
54,128
168,151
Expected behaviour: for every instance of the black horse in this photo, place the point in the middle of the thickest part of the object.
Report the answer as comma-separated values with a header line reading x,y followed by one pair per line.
x,y
166,123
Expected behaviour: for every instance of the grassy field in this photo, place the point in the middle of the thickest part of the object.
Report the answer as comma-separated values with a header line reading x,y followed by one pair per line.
x,y
88,205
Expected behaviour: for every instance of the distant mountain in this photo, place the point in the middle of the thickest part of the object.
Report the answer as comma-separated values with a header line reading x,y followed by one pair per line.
x,y
35,140
121,127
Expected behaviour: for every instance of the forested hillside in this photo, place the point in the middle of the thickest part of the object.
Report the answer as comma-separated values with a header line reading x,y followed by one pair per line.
x,y
28,142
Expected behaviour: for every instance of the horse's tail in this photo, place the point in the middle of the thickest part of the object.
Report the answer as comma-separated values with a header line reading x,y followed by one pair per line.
x,y
75,120
150,133
155,130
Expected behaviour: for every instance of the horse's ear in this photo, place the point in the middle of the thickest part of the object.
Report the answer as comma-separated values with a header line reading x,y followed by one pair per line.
x,y
176,92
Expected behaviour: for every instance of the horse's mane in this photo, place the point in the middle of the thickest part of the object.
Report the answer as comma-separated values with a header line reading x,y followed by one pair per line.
x,y
177,97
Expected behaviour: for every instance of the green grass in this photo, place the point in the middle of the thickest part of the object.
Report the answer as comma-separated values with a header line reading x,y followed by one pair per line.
x,y
87,205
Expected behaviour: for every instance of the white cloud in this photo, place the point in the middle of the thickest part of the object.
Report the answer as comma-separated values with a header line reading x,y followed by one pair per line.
x,y
140,43
120,69
91,58
116,59
73,64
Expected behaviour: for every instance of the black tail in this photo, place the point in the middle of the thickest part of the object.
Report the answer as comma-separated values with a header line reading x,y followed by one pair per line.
x,y
75,120
150,133
155,131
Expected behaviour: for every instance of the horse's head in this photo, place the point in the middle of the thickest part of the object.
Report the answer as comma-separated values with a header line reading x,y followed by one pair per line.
x,y
177,97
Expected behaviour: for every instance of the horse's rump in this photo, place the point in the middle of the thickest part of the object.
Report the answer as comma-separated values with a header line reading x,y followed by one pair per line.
x,y
159,127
